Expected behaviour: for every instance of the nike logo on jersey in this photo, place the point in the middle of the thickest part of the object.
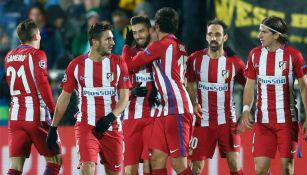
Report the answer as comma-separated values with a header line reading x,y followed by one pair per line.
x,y
116,166
293,151
236,146
172,151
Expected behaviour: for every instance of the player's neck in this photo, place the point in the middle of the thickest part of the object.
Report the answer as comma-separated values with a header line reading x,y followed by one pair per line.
x,y
32,44
274,46
161,35
95,56
216,54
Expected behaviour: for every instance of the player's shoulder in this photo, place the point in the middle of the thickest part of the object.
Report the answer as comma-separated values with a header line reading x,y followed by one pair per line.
x,y
197,53
256,50
291,50
234,58
39,53
75,61
115,58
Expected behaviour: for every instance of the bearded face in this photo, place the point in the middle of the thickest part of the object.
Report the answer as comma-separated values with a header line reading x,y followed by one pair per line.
x,y
215,37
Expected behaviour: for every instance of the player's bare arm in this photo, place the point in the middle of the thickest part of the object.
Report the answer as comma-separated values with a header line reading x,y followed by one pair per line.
x,y
248,98
303,85
60,109
192,94
104,123
122,103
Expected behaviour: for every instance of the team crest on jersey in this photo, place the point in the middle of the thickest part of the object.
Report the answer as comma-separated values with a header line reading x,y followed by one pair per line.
x,y
110,76
225,73
42,64
64,78
282,65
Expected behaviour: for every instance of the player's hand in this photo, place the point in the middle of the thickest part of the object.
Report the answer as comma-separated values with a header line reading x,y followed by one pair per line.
x,y
304,128
244,122
104,123
197,110
139,91
52,137
129,37
153,96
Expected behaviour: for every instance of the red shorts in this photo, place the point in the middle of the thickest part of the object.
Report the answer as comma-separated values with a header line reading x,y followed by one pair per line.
x,y
109,146
137,134
171,134
204,140
22,134
269,137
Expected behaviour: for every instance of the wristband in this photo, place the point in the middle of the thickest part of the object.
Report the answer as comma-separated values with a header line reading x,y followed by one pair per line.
x,y
246,108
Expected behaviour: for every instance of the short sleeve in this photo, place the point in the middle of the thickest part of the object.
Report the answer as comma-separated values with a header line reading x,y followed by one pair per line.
x,y
239,67
69,83
250,71
124,81
190,73
298,64
150,53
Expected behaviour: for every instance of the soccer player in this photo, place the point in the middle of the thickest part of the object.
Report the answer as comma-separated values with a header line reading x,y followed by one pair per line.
x,y
138,116
171,132
213,72
31,101
102,82
274,65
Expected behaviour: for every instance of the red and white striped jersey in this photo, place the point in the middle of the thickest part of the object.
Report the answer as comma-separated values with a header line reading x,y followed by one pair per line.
x,y
139,107
275,73
168,57
97,84
215,79
27,75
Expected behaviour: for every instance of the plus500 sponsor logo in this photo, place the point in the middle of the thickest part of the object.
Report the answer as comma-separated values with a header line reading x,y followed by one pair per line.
x,y
99,91
213,87
143,77
272,79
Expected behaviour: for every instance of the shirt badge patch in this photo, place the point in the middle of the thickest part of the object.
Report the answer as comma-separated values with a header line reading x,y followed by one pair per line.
x,y
64,79
42,64
282,65
225,73
147,52
110,76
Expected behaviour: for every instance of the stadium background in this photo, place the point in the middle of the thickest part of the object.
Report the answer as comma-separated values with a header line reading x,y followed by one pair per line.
x,y
64,36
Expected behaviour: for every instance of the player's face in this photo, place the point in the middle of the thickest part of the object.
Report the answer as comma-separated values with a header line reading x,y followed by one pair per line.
x,y
36,15
215,37
266,37
106,43
141,35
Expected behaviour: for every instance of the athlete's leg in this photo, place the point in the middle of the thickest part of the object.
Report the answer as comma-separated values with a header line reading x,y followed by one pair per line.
x,y
262,165
87,168
131,169
54,164
287,166
16,165
233,160
197,166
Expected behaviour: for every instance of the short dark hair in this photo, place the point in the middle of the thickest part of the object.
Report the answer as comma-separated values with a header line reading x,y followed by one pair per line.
x,y
279,25
140,20
26,30
96,30
167,20
218,22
